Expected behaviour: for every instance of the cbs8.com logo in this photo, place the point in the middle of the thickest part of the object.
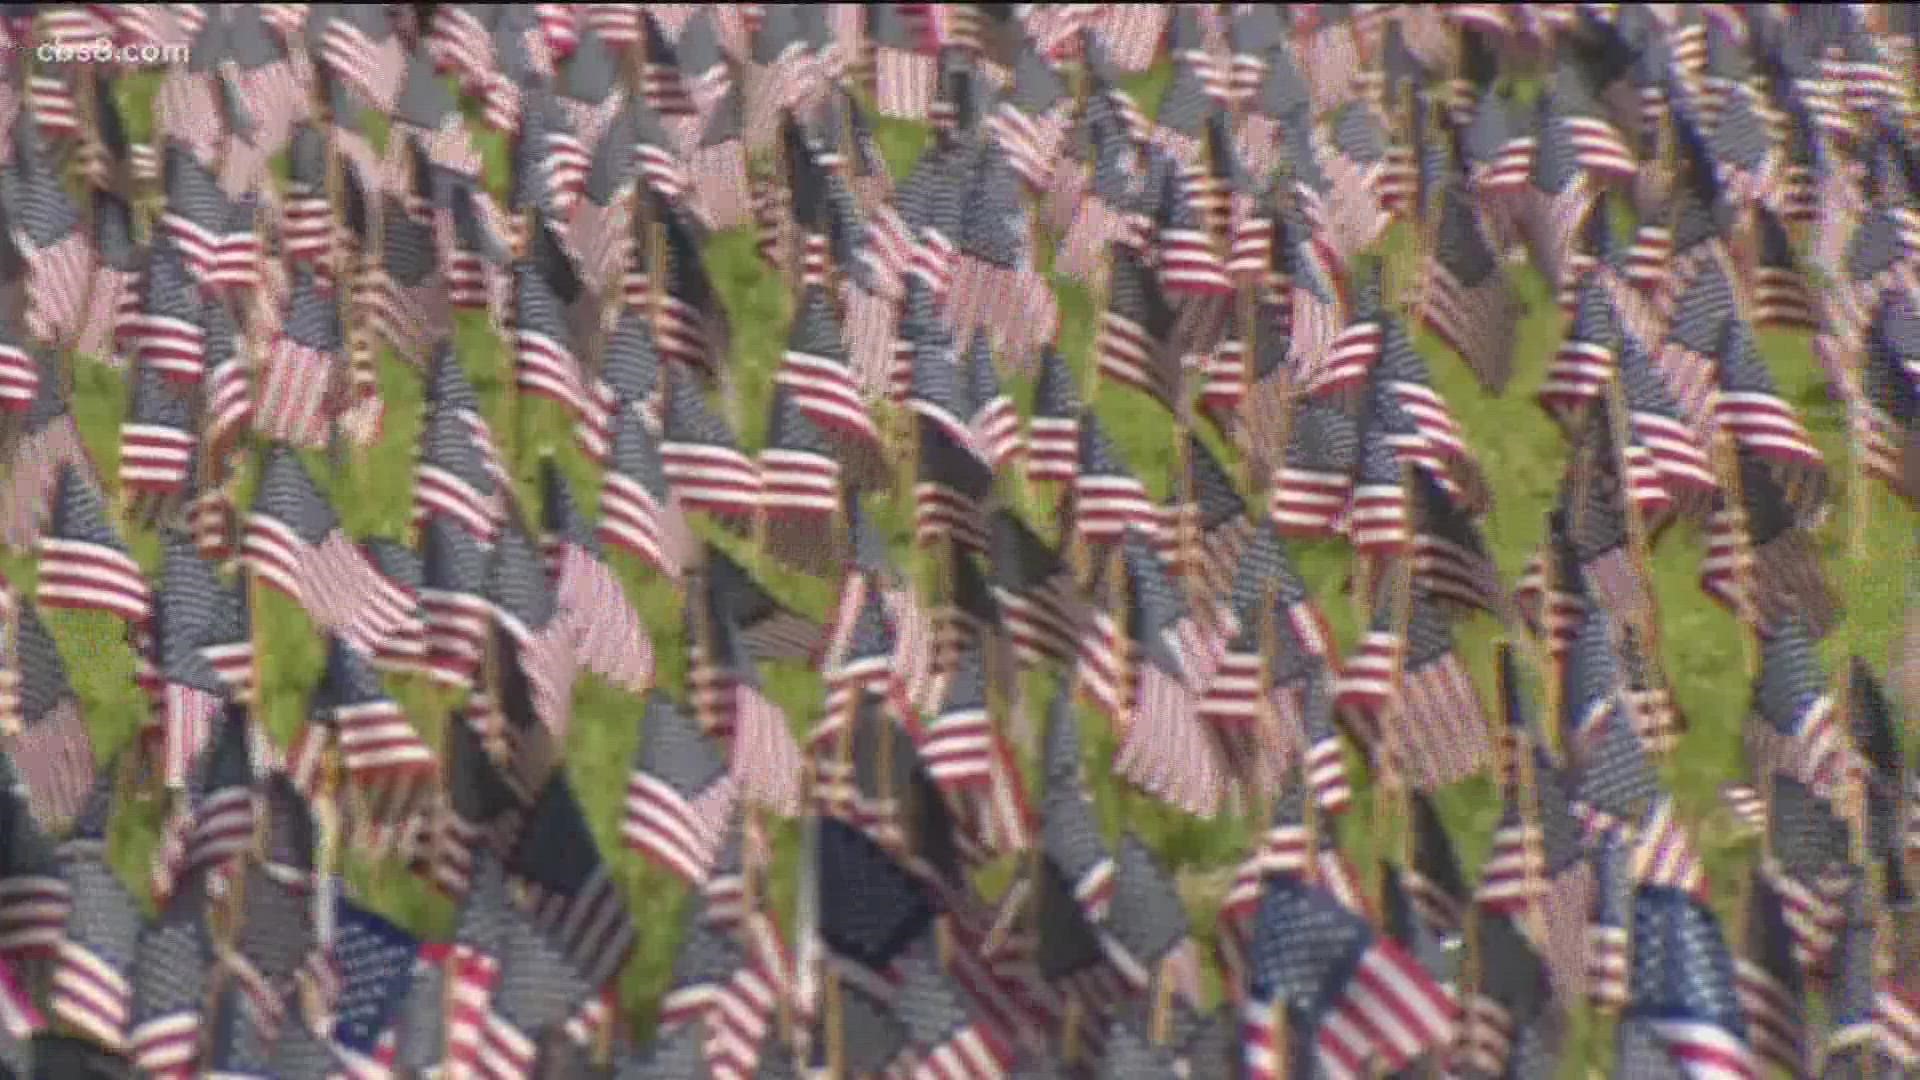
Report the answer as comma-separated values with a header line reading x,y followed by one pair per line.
x,y
104,51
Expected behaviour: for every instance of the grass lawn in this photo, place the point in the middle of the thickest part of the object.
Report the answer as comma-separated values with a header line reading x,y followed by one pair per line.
x,y
1523,454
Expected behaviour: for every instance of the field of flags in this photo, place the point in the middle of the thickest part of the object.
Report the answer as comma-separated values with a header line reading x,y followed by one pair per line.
x,y
950,542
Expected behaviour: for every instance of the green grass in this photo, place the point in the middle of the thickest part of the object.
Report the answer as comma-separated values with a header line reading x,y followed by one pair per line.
x,y
1523,455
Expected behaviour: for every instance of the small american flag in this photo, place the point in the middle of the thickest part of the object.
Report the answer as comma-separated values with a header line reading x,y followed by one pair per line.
x,y
84,565
1468,301
214,821
1164,748
299,393
1323,963
544,360
169,988
573,895
637,510
800,478
375,962
1133,345
538,640
950,492
91,988
1316,479
45,226
1770,981
681,796
452,479
157,439
1108,499
452,588
1053,435
1792,728
1783,298
360,49
1683,986
166,330
378,743
700,456
608,637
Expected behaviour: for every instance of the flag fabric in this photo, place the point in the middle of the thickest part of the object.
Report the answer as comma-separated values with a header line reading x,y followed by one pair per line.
x,y
1325,965
1683,986
700,457
84,565
680,797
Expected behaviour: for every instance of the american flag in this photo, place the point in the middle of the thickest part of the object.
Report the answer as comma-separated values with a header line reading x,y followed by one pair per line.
x,y
1762,560
359,48
36,900
1749,162
379,746
1467,299
725,688
628,381
544,360
300,394
91,989
214,821
800,479
536,641
538,991
1808,867
1792,728
452,479
1771,981
1134,344
681,796
997,285
1683,986
1030,123
1783,298
608,636
158,437
1360,996
1585,362
166,329
950,491
959,745
51,750
84,565
992,417
1509,1018
1451,557
904,73
1053,431
1316,479
1669,441
1597,525
1379,516
374,962
1163,747
45,227
817,372
195,611
637,509
1890,389
701,458
1113,209
1107,498
453,571
169,988
950,1039
212,231
1351,355
1559,195
472,966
